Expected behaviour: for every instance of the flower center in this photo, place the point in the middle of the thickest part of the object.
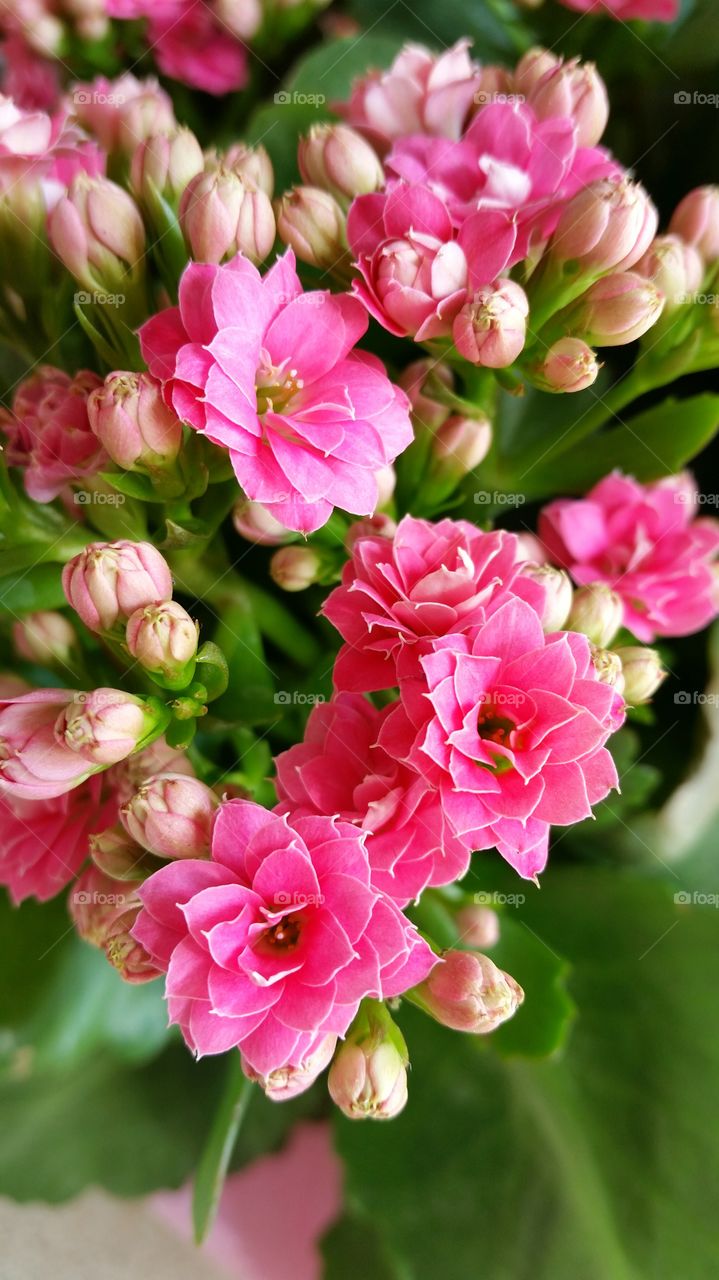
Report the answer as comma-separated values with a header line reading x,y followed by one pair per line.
x,y
275,384
494,727
285,935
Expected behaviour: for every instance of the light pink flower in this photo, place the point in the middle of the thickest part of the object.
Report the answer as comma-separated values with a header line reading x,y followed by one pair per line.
x,y
339,769
511,732
40,148
121,113
432,579
415,271
272,945
48,432
625,10
34,763
644,541
45,842
421,92
269,373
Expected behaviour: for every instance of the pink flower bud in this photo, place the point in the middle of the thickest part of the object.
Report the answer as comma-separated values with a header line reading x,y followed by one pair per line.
x,y
675,267
377,526
171,815
121,113
108,581
104,911
131,419
163,639
294,568
532,67
339,160
607,226
643,673
242,17
617,309
461,444
573,89
529,548
97,232
490,329
569,365
48,432
117,855
478,926
467,992
288,1082
608,668
597,612
106,725
312,223
252,164
222,215
164,164
257,524
386,479
45,637
368,1076
33,764
430,413
558,594
696,220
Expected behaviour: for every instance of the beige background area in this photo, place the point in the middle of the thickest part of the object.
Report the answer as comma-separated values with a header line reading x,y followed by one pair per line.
x,y
66,1243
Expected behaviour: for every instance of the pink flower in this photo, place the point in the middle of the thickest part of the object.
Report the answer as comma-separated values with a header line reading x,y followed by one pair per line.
x,y
421,92
104,911
339,769
196,49
48,432
644,541
269,373
45,842
31,81
512,733
415,272
272,945
121,113
507,160
430,580
37,147
34,763
625,10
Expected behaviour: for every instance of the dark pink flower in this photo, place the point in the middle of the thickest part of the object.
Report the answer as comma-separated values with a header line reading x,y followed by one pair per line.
x,y
48,432
625,10
196,49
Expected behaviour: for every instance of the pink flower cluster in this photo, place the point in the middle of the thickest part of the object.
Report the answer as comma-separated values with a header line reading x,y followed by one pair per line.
x,y
192,40
46,149
48,433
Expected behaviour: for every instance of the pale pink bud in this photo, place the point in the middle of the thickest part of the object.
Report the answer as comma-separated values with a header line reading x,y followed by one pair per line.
x,y
104,911
339,160
252,164
257,524
368,1082
312,223
117,855
131,419
294,568
478,926
461,444
557,594
163,639
467,992
122,112
45,637
171,816
675,267
569,365
33,764
386,479
529,548
222,215
164,164
696,220
158,757
287,1082
608,668
573,89
608,225
617,309
242,17
97,232
532,68
597,612
491,327
643,673
105,726
108,581
379,525
414,381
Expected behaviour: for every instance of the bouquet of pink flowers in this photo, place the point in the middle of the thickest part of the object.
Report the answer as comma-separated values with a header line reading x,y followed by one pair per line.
x,y
354,583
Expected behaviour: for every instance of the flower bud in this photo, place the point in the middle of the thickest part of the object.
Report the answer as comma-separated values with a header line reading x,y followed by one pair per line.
x,y
108,581
221,215
558,594
426,411
532,67
311,222
379,525
490,329
596,612
104,911
386,479
295,568
163,639
696,220
121,113
164,164
643,673
477,926
252,164
573,89
368,1076
34,765
107,725
243,19
615,310
676,268
339,160
461,444
529,548
606,226
45,637
257,524
287,1082
467,992
608,668
117,855
569,365
171,816
97,232
132,421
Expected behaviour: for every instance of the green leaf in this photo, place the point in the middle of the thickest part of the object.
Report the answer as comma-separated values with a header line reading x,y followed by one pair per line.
x,y
353,1249
36,588
212,1169
540,1026
132,484
592,1165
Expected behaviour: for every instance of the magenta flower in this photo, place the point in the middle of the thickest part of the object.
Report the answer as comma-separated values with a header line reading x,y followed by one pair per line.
x,y
644,541
340,769
397,595
512,733
48,432
272,944
192,44
269,373
625,10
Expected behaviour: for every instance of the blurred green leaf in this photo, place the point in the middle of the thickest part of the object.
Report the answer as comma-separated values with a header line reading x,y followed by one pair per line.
x,y
212,1169
36,588
540,1026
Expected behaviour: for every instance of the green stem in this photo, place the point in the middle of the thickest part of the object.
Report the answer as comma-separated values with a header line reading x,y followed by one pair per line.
x,y
215,1159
